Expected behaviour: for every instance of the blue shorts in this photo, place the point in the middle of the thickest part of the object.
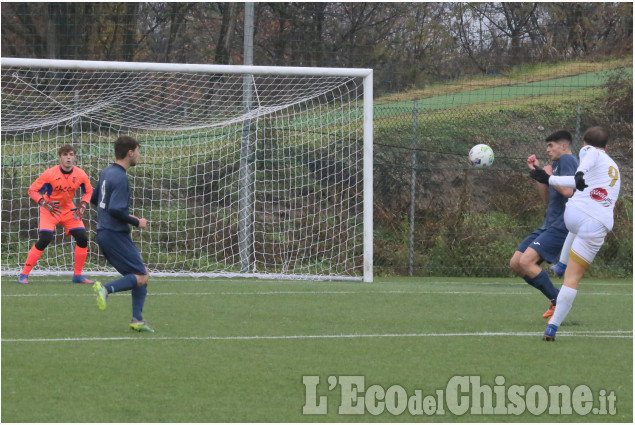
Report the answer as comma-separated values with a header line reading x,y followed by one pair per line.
x,y
546,242
121,252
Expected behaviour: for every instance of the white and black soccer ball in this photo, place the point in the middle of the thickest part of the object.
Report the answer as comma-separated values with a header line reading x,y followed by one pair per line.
x,y
481,156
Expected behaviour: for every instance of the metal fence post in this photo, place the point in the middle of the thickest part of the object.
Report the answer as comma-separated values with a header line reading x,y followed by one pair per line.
x,y
413,182
577,138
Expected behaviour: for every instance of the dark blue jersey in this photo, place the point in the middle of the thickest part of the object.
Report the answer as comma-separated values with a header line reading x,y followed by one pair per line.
x,y
565,166
112,198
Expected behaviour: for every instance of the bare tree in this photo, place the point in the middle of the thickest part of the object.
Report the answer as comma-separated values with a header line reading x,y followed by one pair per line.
x,y
515,21
228,11
406,43
22,29
465,28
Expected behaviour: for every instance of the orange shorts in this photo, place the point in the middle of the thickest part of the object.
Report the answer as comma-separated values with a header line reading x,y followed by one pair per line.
x,y
66,219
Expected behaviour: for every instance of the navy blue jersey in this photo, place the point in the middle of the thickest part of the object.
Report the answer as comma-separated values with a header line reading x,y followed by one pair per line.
x,y
565,166
112,198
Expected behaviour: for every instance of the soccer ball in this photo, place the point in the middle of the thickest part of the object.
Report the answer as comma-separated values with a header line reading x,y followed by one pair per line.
x,y
481,156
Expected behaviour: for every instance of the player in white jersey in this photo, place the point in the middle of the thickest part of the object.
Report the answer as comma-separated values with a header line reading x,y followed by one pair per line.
x,y
560,267
588,216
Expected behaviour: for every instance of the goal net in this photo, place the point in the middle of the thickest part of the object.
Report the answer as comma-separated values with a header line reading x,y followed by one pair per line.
x,y
244,171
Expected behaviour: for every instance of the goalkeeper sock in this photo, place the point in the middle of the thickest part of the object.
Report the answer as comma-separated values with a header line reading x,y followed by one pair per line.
x,y
126,283
544,285
138,299
565,302
31,260
80,259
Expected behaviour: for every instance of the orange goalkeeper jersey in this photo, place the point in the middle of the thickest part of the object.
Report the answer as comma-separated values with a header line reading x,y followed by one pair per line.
x,y
56,185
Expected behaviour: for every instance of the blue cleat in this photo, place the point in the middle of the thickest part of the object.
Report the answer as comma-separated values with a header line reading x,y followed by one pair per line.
x,y
102,295
558,269
140,326
23,279
550,333
78,278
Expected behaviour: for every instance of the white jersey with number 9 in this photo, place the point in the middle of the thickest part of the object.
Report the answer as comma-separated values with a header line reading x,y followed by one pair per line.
x,y
603,179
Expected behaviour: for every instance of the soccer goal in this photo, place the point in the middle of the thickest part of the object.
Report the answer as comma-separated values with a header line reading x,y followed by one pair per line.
x,y
245,170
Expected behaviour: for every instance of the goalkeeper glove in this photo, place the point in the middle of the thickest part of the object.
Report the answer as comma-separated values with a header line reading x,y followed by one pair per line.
x,y
580,184
52,207
79,211
539,175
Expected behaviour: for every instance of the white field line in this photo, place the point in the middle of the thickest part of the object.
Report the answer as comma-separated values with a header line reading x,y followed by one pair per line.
x,y
174,294
45,279
508,283
578,334
291,282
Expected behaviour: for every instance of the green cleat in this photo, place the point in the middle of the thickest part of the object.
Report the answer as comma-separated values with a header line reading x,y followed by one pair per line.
x,y
102,295
140,326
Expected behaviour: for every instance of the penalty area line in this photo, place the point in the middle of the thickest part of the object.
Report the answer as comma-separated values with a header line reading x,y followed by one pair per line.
x,y
584,334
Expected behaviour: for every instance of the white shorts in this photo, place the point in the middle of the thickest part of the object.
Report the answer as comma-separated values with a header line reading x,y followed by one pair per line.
x,y
589,235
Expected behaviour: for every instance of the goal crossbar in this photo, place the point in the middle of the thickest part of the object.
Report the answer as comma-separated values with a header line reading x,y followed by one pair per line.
x,y
178,67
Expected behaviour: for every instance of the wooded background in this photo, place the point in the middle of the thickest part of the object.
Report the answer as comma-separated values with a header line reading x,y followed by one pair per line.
x,y
407,44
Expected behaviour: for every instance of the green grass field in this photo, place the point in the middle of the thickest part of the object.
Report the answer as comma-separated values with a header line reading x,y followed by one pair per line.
x,y
237,350
501,93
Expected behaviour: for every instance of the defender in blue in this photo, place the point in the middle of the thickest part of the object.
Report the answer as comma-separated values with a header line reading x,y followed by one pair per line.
x,y
112,198
545,243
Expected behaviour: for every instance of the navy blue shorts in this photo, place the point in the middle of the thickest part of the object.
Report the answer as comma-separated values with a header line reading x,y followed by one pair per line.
x,y
546,242
121,252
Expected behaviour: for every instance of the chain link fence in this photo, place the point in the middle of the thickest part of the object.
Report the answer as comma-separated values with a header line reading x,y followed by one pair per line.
x,y
435,215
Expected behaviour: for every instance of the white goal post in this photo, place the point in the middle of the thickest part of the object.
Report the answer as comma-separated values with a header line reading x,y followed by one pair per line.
x,y
251,171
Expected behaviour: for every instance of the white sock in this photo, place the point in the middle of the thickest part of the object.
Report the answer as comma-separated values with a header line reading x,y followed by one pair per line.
x,y
563,304
566,248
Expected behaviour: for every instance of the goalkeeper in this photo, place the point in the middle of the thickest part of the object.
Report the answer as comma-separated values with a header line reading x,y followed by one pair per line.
x,y
54,191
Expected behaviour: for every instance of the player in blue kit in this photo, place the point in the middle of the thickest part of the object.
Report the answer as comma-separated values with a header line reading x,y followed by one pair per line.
x,y
112,198
545,243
